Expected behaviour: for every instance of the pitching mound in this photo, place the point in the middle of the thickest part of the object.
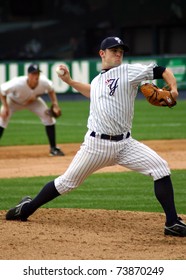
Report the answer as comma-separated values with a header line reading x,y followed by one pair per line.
x,y
84,234
67,234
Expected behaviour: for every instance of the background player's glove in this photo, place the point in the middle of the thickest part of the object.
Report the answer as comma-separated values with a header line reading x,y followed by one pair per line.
x,y
157,96
54,111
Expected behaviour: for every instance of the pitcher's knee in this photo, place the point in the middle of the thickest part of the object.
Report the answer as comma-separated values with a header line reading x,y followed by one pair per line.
x,y
64,185
161,170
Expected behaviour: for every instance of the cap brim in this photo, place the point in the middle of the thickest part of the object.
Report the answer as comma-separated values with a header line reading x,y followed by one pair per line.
x,y
124,47
36,71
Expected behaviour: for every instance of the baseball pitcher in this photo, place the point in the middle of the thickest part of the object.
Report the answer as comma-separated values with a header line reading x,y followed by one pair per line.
x,y
109,140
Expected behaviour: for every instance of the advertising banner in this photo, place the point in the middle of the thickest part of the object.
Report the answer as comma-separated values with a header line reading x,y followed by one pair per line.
x,y
86,70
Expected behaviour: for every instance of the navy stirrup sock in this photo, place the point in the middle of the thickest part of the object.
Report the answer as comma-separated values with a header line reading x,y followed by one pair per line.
x,y
1,131
47,194
50,131
165,195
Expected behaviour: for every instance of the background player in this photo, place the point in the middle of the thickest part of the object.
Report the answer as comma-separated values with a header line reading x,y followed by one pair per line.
x,y
108,140
24,93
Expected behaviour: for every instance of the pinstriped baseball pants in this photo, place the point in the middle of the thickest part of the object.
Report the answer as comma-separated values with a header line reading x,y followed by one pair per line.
x,y
96,153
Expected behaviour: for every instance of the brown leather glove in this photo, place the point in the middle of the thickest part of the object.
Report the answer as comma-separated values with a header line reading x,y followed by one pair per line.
x,y
54,111
157,96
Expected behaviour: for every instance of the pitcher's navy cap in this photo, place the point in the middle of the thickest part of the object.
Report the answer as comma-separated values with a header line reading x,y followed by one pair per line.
x,y
111,42
34,68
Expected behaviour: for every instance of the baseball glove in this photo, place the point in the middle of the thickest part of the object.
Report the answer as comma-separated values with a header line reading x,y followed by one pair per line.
x,y
157,96
54,111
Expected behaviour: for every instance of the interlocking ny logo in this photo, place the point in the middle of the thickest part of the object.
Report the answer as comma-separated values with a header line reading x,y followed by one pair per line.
x,y
112,85
118,40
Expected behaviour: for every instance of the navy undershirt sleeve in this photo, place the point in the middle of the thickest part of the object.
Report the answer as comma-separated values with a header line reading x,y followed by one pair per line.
x,y
158,71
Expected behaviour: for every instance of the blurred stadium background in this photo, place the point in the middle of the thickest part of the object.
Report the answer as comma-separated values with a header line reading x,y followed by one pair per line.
x,y
68,29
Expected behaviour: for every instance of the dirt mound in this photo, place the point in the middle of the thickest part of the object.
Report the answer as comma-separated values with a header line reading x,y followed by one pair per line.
x,y
84,234
67,234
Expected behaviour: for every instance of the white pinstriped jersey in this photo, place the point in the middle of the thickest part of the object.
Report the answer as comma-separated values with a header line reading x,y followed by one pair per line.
x,y
112,97
18,90
111,112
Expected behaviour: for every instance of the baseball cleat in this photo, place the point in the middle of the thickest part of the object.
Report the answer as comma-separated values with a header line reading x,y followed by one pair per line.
x,y
15,213
178,229
56,152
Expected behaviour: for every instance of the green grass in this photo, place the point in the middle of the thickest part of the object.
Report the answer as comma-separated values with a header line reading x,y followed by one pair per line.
x,y
121,191
150,122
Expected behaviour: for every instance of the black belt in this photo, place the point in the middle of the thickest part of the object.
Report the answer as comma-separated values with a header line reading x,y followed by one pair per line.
x,y
111,137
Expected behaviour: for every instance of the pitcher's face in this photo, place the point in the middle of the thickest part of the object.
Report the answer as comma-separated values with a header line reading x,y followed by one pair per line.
x,y
111,57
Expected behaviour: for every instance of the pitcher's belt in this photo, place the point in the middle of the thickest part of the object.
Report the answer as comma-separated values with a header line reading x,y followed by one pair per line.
x,y
111,137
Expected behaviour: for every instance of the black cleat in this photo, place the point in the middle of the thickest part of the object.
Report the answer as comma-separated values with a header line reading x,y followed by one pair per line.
x,y
15,213
56,152
178,229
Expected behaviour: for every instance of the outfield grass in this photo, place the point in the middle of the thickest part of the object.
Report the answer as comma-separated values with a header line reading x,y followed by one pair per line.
x,y
120,191
150,122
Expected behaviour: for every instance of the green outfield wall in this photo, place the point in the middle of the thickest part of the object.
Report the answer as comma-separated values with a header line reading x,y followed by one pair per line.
x,y
86,70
